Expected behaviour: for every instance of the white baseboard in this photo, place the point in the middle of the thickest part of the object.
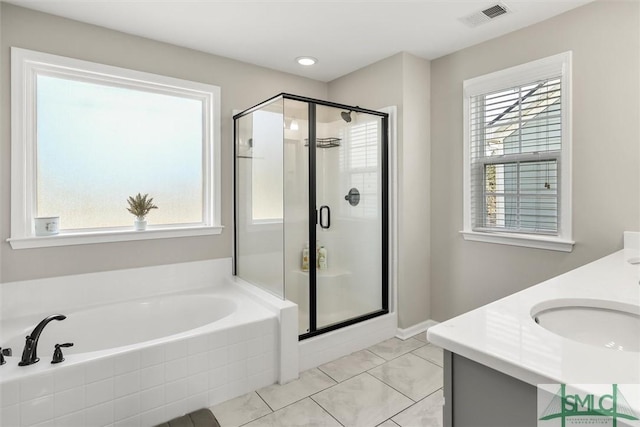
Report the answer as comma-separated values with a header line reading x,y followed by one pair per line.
x,y
404,334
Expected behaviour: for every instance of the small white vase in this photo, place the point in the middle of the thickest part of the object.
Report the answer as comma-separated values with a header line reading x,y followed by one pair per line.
x,y
140,224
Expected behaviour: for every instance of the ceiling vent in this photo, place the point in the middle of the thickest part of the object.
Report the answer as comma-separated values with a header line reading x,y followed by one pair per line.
x,y
485,15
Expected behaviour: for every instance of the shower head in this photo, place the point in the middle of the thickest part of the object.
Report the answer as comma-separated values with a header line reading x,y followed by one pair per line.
x,y
346,116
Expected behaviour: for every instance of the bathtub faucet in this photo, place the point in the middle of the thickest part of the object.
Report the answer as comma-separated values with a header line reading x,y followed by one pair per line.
x,y
30,352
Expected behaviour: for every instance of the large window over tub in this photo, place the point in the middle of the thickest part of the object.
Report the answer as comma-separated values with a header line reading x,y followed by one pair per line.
x,y
517,156
86,136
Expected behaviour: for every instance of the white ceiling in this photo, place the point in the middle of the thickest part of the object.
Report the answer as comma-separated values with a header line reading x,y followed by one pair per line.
x,y
344,35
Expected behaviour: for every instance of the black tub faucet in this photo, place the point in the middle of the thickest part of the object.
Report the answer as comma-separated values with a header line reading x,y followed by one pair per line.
x,y
30,352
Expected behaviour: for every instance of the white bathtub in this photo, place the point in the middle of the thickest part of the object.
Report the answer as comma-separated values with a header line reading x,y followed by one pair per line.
x,y
137,361
111,326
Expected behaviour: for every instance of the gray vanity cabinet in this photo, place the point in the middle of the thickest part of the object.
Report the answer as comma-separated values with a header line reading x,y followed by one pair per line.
x,y
478,396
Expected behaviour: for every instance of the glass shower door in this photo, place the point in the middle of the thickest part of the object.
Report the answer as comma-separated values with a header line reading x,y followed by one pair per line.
x,y
310,220
259,214
296,208
349,206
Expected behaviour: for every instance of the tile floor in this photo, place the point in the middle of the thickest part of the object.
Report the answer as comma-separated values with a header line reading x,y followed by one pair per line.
x,y
393,383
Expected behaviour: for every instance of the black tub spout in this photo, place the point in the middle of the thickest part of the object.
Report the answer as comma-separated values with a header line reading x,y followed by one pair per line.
x,y
30,352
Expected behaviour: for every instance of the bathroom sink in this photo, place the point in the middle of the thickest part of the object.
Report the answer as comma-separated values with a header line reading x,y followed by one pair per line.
x,y
617,329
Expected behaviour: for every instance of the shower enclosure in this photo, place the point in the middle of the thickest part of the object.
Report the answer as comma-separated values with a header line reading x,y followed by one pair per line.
x,y
311,208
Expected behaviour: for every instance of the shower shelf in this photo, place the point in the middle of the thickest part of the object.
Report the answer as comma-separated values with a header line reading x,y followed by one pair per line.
x,y
331,272
324,142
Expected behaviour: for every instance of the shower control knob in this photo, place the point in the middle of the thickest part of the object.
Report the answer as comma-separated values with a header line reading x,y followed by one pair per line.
x,y
353,197
57,353
2,361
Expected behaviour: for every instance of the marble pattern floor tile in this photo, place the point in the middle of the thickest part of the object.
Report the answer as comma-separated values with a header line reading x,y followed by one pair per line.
x,y
362,401
411,375
425,413
351,365
431,353
310,382
422,336
394,347
303,413
241,410
388,423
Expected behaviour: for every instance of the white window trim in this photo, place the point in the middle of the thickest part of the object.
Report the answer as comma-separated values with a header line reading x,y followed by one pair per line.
x,y
549,67
24,66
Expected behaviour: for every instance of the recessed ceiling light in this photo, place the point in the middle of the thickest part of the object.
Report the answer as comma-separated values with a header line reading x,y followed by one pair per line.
x,y
306,60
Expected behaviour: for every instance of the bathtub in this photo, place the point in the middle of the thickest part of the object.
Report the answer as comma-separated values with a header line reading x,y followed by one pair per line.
x,y
121,325
139,358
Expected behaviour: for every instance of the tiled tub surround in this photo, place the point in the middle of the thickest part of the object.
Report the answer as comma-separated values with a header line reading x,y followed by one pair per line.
x,y
143,383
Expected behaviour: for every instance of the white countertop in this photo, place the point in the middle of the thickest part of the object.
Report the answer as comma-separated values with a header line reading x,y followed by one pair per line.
x,y
503,335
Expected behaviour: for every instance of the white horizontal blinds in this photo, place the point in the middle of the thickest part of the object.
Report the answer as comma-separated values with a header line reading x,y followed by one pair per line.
x,y
515,153
362,144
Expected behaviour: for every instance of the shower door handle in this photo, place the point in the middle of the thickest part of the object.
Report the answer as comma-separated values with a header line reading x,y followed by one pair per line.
x,y
325,222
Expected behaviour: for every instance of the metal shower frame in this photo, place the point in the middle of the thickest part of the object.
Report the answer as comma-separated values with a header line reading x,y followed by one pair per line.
x,y
313,211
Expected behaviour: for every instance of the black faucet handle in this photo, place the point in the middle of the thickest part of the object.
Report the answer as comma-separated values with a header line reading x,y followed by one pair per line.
x,y
2,361
27,353
30,352
57,353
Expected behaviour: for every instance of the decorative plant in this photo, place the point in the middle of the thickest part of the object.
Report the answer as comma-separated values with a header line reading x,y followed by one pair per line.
x,y
140,205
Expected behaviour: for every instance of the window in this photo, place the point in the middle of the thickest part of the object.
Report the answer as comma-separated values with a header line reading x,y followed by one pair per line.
x,y
86,136
262,162
359,158
267,162
517,156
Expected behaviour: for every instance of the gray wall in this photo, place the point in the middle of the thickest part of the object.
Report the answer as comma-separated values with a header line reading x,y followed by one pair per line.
x,y
440,274
242,85
605,39
403,80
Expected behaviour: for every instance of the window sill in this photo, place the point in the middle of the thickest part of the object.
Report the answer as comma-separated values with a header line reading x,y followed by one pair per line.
x,y
92,237
537,242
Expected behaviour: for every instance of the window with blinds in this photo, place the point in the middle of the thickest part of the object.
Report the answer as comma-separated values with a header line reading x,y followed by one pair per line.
x,y
359,158
515,151
517,155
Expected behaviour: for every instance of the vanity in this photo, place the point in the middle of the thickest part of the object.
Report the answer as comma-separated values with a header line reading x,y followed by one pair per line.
x,y
581,329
